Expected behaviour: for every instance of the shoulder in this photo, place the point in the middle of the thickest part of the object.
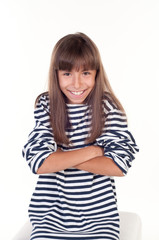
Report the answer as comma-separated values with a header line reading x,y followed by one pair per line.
x,y
42,108
42,101
108,102
111,107
115,118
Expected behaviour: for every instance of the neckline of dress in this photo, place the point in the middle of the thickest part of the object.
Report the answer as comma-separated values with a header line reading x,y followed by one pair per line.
x,y
76,105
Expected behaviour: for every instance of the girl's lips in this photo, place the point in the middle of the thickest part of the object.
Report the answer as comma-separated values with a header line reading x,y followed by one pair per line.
x,y
77,93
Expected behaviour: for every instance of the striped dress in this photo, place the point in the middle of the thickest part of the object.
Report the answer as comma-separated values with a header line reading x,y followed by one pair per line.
x,y
74,204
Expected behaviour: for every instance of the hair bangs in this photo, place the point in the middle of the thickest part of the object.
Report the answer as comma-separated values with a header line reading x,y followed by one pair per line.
x,y
77,56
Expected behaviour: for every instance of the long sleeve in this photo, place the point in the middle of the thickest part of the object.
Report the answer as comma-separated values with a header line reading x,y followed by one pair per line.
x,y
40,142
117,141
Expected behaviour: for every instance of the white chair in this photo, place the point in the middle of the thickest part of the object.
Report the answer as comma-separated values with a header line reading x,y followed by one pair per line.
x,y
24,233
130,228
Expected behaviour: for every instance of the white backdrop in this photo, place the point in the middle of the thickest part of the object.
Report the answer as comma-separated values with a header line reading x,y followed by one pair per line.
x,y
127,35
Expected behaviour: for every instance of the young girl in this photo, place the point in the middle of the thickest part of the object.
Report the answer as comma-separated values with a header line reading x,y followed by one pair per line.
x,y
79,142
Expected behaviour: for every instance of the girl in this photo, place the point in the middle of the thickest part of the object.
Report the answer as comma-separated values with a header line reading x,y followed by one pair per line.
x,y
79,142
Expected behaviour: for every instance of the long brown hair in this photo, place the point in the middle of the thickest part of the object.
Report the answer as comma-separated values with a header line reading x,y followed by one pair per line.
x,y
75,51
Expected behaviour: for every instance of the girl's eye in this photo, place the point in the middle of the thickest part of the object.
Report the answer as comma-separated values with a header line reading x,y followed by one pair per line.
x,y
86,73
67,74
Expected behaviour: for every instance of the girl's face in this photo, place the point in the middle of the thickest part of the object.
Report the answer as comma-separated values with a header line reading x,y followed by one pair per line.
x,y
76,85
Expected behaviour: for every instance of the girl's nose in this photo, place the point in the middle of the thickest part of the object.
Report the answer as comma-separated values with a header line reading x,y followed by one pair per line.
x,y
77,81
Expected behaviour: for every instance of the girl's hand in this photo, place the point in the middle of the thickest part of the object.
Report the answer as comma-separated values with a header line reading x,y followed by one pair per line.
x,y
96,151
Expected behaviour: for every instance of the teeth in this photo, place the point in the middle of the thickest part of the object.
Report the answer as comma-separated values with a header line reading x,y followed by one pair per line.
x,y
77,93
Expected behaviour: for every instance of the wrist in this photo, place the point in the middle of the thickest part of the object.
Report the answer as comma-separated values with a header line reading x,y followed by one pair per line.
x,y
96,151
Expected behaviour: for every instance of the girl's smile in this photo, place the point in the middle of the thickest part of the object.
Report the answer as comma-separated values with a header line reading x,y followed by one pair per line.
x,y
77,93
76,85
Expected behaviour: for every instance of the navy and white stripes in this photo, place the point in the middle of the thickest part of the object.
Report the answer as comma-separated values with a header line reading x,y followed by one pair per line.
x,y
73,204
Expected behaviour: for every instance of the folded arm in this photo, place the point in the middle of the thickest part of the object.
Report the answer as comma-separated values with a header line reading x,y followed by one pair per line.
x,y
102,166
89,159
60,160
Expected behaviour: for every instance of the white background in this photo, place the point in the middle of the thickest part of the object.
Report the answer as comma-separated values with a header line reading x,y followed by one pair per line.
x,y
127,35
